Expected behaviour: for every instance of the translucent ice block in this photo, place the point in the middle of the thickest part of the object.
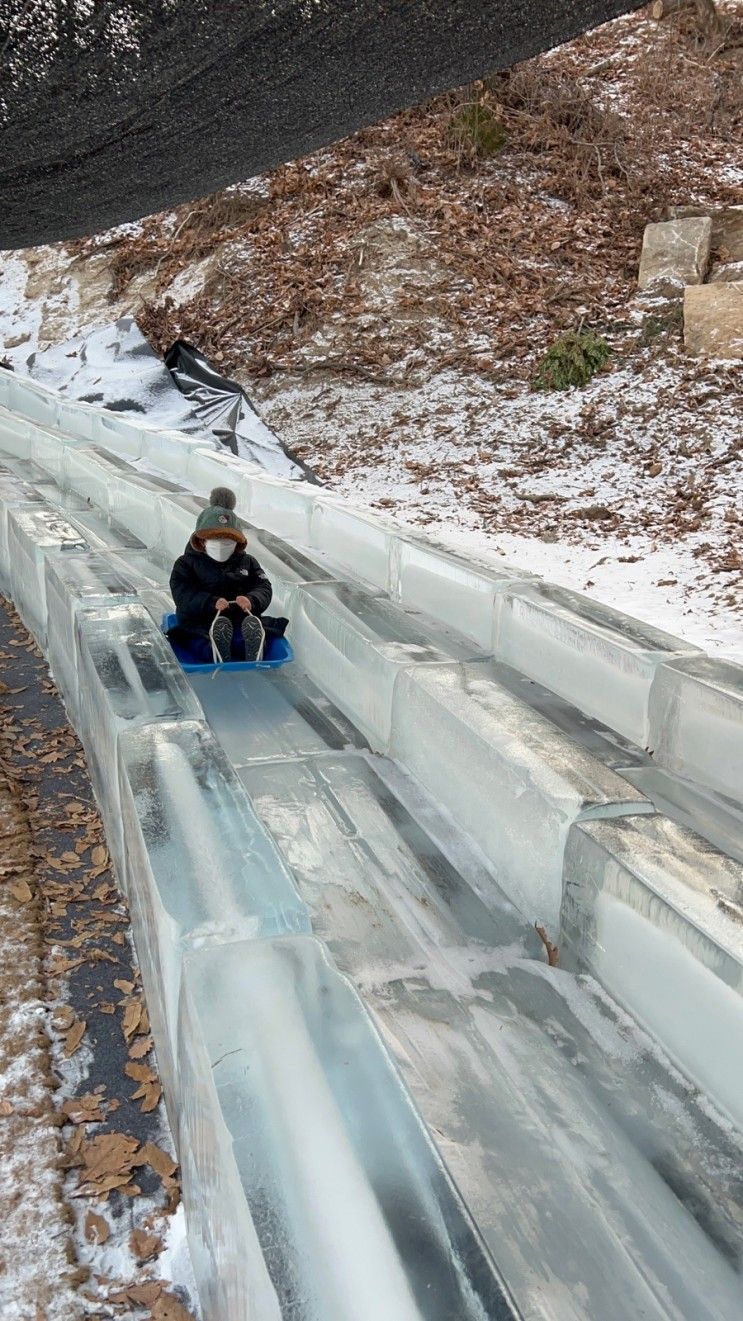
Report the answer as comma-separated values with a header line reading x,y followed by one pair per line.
x,y
33,401
75,583
281,507
128,676
594,656
696,722
35,531
380,890
211,466
168,451
641,910
714,816
338,1185
600,1185
15,435
152,565
135,502
510,778
200,868
13,491
459,588
93,473
354,540
355,644
260,715
119,434
109,532
177,515
49,451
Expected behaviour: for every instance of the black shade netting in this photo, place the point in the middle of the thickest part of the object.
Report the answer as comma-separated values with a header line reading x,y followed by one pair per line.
x,y
110,110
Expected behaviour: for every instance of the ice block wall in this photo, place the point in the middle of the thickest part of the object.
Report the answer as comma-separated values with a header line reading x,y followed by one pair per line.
x,y
401,644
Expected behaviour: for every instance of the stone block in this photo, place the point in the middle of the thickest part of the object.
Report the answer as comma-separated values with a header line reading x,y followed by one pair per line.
x,y
675,252
713,320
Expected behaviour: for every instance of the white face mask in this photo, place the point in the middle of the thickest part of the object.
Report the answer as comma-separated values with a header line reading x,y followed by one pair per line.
x,y
219,549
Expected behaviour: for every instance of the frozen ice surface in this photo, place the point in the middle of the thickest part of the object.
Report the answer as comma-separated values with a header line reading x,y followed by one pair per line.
x,y
15,436
109,531
199,867
128,675
176,519
340,1187
35,531
284,508
152,565
599,659
361,543
356,644
508,776
459,588
261,715
641,911
135,503
13,491
93,472
696,722
74,583
381,892
714,816
599,1186
168,451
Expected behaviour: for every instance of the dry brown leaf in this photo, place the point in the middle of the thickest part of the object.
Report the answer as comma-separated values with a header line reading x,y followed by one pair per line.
x,y
140,1072
158,1160
152,1094
145,1294
97,1229
141,1047
169,1308
144,1245
99,856
132,1017
83,1109
74,1036
21,890
6,1108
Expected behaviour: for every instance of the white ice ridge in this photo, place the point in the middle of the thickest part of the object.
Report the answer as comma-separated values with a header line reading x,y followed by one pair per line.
x,y
268,856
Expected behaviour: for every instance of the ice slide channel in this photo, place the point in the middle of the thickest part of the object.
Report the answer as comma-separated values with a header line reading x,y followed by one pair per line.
x,y
378,1087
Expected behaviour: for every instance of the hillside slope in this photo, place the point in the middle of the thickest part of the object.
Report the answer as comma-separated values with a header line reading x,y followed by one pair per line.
x,y
387,302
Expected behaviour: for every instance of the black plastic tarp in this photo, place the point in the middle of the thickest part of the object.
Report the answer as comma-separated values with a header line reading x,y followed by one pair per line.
x,y
113,109
216,399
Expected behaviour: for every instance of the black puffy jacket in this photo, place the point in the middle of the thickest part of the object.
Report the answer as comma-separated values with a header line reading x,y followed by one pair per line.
x,y
197,582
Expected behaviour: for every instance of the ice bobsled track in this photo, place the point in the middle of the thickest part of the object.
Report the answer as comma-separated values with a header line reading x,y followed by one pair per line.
x,y
387,1104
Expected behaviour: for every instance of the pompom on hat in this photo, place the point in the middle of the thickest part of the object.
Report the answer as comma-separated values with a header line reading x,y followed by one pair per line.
x,y
218,520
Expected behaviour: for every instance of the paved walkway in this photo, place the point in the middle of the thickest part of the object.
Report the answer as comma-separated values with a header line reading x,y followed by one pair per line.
x,y
78,1077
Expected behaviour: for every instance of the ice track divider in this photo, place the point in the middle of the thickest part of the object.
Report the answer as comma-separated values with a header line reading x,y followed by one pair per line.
x,y
312,1184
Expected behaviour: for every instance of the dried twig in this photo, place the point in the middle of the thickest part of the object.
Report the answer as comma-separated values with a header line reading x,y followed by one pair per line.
x,y
553,953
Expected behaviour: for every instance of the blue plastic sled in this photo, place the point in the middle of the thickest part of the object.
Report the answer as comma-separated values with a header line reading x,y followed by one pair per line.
x,y
278,652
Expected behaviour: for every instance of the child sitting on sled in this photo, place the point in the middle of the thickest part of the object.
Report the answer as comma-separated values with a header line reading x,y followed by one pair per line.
x,y
220,591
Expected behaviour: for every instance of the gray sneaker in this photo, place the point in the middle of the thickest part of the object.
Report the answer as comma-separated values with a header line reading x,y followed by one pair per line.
x,y
254,636
221,636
